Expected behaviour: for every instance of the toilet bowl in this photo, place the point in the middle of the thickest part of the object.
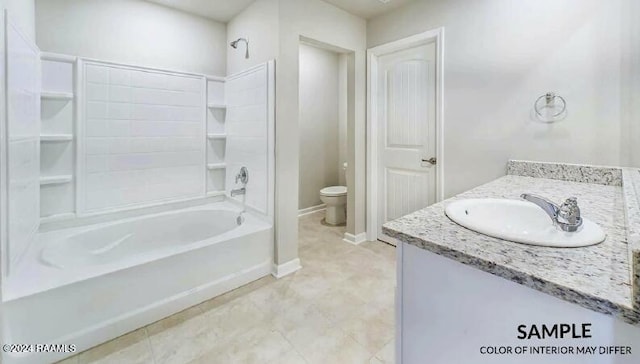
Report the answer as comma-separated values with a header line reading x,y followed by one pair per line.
x,y
335,197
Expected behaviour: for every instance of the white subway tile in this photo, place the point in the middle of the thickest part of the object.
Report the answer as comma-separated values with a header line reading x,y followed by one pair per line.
x,y
120,93
149,80
119,128
96,163
119,145
119,111
148,137
187,84
96,128
97,74
97,145
96,110
97,92
119,76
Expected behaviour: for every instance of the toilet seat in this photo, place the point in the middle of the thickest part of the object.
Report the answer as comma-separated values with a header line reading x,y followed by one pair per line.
x,y
334,191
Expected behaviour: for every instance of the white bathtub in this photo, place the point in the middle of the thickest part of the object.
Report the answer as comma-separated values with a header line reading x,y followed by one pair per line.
x,y
89,284
128,240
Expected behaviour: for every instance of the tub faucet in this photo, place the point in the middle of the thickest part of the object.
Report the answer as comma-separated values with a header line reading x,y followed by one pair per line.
x,y
243,177
238,191
566,216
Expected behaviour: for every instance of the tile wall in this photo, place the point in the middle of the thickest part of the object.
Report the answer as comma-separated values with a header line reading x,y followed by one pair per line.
x,y
144,137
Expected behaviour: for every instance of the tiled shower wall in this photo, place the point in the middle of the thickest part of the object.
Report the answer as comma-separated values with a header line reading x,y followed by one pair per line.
x,y
23,140
144,138
247,124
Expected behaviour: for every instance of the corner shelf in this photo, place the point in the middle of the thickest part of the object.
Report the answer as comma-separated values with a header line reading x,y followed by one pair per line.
x,y
216,106
216,136
56,95
214,166
55,180
56,137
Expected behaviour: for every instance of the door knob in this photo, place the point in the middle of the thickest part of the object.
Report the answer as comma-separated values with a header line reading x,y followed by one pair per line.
x,y
431,161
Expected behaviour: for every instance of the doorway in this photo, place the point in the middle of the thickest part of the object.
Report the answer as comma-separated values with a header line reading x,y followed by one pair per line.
x,y
405,120
327,115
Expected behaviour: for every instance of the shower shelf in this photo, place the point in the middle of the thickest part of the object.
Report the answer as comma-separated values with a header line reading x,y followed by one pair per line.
x,y
216,106
56,137
56,95
59,97
55,180
216,138
214,166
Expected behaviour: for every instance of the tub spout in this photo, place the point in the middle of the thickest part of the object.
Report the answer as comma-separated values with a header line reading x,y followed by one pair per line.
x,y
238,191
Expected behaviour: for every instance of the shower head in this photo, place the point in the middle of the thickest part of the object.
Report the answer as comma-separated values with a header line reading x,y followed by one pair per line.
x,y
234,45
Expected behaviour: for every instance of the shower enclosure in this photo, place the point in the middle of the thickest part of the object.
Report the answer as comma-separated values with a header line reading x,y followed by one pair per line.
x,y
116,209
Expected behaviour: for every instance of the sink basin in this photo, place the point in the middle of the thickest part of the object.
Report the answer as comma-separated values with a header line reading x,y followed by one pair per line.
x,y
520,222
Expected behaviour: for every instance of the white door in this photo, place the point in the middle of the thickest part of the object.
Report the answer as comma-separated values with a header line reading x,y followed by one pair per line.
x,y
406,104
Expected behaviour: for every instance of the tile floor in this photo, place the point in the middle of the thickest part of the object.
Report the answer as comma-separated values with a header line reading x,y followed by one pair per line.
x,y
337,309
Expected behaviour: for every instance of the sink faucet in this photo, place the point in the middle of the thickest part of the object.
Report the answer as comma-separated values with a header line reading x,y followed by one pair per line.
x,y
566,216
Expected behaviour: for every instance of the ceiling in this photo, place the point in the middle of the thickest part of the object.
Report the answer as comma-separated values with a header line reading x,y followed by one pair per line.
x,y
219,10
225,10
368,8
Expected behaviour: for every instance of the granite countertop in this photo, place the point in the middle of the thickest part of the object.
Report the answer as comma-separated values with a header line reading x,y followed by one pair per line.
x,y
604,277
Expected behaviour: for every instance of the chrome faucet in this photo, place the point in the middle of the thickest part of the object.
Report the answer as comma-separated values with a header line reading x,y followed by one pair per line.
x,y
242,176
566,216
238,191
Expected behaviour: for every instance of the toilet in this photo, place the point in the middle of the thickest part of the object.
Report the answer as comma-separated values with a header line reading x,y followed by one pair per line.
x,y
335,197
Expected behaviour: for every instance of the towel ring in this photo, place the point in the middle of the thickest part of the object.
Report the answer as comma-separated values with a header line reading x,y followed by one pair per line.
x,y
549,98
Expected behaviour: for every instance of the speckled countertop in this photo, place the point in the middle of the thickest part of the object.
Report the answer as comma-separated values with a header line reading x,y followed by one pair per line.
x,y
600,277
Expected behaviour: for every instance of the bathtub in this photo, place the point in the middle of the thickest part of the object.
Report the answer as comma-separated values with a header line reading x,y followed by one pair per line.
x,y
85,285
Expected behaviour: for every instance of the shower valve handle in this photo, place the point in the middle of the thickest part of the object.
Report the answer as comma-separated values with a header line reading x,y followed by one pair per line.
x,y
243,176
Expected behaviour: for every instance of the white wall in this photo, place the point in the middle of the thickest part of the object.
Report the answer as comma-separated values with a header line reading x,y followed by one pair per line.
x,y
319,123
631,83
500,55
258,23
22,13
322,22
274,29
134,32
3,155
343,117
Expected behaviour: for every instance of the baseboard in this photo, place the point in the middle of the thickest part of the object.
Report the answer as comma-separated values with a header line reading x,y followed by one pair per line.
x,y
355,239
311,210
285,269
